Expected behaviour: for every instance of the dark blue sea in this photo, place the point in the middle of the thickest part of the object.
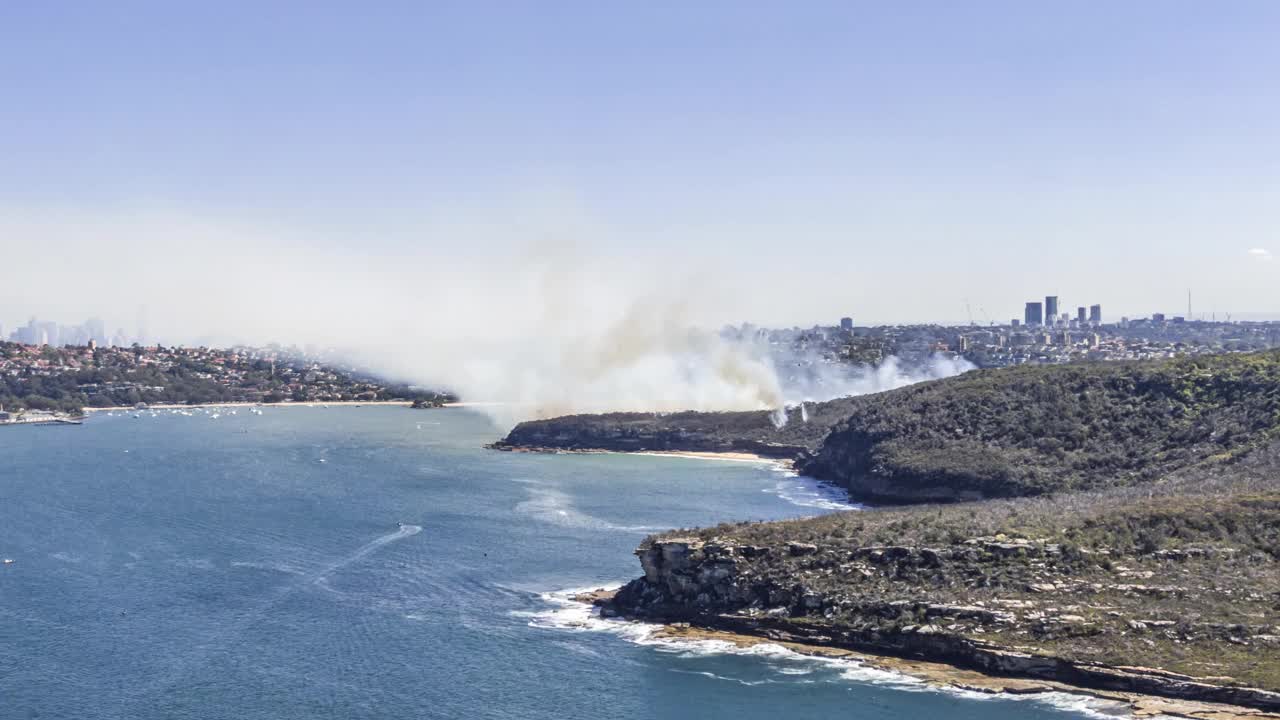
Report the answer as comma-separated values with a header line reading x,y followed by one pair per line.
x,y
252,566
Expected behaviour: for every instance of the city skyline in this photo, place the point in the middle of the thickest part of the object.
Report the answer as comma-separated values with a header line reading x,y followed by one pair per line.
x,y
39,331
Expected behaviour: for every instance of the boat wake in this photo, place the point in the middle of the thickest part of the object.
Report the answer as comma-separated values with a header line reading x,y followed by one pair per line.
x,y
404,532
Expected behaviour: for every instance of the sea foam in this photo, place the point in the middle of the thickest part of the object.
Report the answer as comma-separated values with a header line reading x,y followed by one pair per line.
x,y
564,613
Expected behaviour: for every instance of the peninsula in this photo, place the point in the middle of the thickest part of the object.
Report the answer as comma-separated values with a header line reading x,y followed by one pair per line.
x,y
1112,526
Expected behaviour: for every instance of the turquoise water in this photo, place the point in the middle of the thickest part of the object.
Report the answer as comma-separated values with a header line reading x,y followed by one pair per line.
x,y
251,566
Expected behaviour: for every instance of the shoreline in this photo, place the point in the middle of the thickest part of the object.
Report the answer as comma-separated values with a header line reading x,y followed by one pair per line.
x,y
940,674
245,403
725,455
744,457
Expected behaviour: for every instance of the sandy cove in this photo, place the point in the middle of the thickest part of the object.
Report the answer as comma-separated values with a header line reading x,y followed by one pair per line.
x,y
949,676
746,457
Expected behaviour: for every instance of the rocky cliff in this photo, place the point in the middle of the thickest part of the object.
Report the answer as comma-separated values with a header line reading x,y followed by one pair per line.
x,y
1030,627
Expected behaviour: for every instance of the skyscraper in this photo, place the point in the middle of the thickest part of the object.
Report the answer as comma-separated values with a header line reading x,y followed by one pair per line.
x,y
1034,314
1080,316
1095,314
1050,309
96,329
846,323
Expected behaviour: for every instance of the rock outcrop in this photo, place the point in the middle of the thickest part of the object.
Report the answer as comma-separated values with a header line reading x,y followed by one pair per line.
x,y
775,592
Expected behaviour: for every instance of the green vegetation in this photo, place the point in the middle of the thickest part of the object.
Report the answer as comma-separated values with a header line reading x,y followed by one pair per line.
x,y
1010,432
1119,515
1033,430
753,431
1182,574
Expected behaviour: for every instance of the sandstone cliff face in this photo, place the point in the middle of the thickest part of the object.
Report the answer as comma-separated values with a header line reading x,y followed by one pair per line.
x,y
740,588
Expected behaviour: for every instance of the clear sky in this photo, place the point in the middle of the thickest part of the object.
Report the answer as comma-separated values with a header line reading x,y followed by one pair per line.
x,y
796,160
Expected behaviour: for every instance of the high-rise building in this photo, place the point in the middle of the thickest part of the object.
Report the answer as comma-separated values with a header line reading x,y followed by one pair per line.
x,y
47,333
1050,308
1034,314
96,329
1080,316
846,323
1157,317
1095,314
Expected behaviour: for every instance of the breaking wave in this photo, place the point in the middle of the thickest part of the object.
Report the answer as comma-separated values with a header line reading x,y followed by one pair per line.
x,y
563,613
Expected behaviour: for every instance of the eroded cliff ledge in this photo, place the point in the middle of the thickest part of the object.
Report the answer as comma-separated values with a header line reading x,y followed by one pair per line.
x,y
1039,619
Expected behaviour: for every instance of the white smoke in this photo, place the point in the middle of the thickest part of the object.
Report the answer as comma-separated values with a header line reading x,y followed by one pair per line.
x,y
551,329
808,378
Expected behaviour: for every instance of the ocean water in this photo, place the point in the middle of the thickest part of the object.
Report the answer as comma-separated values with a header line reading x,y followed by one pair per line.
x,y
376,562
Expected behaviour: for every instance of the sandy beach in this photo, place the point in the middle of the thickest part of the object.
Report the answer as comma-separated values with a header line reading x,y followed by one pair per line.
x,y
746,457
779,463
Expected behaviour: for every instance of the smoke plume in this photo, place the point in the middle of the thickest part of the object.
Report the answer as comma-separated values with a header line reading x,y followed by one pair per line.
x,y
544,327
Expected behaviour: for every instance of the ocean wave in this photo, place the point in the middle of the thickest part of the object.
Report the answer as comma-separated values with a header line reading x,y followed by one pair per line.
x,y
564,613
553,506
806,492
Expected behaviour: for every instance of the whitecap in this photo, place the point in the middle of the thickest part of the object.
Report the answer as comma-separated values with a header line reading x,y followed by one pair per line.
x,y
553,506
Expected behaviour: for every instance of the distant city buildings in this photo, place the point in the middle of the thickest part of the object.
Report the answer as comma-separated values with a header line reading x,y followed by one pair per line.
x,y
1046,314
846,324
92,332
1033,315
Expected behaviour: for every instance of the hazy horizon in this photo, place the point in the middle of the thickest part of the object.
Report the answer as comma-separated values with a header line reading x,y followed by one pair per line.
x,y
454,185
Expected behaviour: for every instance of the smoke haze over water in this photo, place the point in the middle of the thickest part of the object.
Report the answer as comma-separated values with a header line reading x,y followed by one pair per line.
x,y
549,328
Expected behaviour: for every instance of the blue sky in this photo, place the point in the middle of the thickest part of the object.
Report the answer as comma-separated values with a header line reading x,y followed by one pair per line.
x,y
885,159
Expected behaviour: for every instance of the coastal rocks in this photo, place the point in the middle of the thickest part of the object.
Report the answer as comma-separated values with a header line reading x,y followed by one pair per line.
x,y
810,592
797,548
